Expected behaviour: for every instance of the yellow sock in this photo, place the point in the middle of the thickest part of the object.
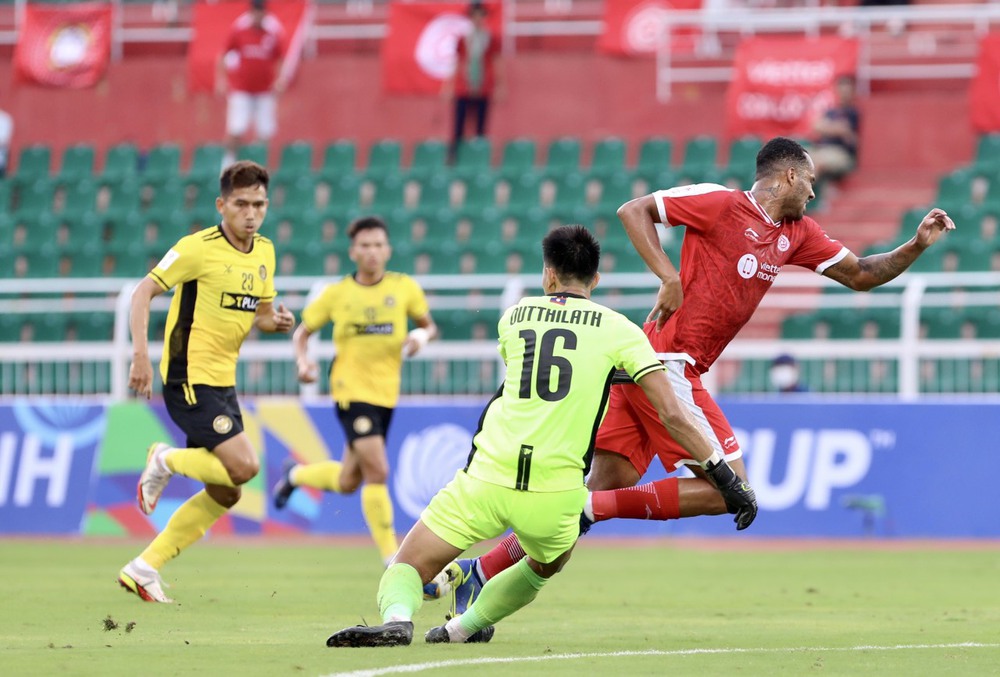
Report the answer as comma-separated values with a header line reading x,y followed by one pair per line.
x,y
188,524
324,475
198,464
377,508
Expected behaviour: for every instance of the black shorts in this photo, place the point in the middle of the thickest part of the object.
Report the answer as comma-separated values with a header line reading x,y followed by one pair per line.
x,y
360,419
208,415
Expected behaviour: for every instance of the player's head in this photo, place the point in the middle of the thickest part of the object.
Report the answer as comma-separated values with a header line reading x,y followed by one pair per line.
x,y
785,168
370,248
572,255
258,9
846,86
242,200
478,11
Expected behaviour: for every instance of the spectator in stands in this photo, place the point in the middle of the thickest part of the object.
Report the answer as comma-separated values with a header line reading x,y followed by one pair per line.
x,y
835,152
785,376
6,132
478,77
249,72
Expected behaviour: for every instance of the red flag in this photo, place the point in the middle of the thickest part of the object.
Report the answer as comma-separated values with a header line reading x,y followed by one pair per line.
x,y
418,53
212,22
984,92
633,27
781,84
64,45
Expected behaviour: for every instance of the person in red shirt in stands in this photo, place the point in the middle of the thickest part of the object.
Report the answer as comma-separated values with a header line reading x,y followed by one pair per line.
x,y
477,78
249,72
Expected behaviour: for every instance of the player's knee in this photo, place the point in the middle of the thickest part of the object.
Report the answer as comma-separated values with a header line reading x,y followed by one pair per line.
x,y
244,470
227,497
348,485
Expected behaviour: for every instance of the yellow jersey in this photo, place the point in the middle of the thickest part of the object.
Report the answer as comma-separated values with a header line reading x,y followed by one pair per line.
x,y
369,328
218,290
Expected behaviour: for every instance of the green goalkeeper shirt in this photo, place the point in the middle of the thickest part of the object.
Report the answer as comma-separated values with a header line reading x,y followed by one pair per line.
x,y
537,433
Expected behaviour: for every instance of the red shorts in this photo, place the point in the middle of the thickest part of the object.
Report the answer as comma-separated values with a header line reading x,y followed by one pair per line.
x,y
633,429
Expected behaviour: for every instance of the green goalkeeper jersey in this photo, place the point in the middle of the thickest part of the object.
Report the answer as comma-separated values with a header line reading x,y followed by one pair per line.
x,y
537,433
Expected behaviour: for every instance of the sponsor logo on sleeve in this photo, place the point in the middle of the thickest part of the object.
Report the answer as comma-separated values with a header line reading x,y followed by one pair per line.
x,y
168,260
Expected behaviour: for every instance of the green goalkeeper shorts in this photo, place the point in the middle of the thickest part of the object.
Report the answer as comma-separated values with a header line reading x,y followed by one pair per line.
x,y
469,510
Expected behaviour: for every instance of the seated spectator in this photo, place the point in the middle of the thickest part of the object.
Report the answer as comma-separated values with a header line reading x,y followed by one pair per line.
x,y
835,151
784,376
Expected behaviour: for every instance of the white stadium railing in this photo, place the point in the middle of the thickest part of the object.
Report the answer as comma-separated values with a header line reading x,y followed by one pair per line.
x,y
469,367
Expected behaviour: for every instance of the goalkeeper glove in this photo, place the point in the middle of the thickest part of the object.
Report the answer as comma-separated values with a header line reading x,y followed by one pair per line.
x,y
739,496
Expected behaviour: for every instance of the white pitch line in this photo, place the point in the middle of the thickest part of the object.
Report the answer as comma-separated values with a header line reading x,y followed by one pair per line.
x,y
420,667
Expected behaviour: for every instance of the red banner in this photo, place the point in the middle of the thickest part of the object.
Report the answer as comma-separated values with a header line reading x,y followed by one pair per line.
x,y
984,92
64,45
212,22
418,53
634,27
780,85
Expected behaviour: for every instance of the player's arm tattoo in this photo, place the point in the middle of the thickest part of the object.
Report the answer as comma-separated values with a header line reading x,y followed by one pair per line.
x,y
868,272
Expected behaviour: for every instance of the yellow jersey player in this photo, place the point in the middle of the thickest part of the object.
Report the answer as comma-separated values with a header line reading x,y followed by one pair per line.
x,y
224,279
369,312
533,449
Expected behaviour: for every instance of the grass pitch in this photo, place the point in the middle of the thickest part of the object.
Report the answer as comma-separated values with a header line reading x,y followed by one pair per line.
x,y
733,607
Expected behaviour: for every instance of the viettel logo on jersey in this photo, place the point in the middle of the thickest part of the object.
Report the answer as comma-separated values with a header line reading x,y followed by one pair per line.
x,y
435,51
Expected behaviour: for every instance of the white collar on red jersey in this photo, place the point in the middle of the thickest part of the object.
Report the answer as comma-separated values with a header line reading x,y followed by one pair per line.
x,y
763,212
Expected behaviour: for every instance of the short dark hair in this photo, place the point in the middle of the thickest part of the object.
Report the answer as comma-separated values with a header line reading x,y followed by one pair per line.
x,y
242,174
366,223
572,252
480,7
778,154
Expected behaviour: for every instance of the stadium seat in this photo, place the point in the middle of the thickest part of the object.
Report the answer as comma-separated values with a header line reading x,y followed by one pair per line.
x,y
571,190
942,323
44,261
125,197
77,163
34,162
296,160
480,192
120,162
87,259
525,190
518,157
206,163
563,156
616,190
293,191
435,193
742,162
987,322
77,195
987,159
389,192
955,188
700,157
168,197
799,326
655,157
383,159
255,152
339,159
473,158
344,191
34,199
429,158
608,158
6,189
161,163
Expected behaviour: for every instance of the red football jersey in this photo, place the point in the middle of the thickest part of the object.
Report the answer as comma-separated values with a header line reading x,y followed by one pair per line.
x,y
255,53
731,253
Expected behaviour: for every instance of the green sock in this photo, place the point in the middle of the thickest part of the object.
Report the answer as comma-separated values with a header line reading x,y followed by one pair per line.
x,y
400,593
502,595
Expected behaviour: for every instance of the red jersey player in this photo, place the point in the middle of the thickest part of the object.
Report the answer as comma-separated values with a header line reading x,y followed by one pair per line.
x,y
249,69
735,244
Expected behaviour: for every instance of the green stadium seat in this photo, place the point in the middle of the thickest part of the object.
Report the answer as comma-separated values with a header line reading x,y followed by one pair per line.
x,y
435,193
429,159
78,195
955,188
616,190
34,162
121,162
206,163
44,261
942,323
10,327
700,157
161,163
255,152
655,157
742,162
77,163
571,190
339,159
384,159
518,158
49,327
608,158
293,191
480,192
344,192
125,197
6,189
296,160
563,156
389,193
473,158
987,322
525,190
34,199
987,159
844,323
87,260
799,326
168,198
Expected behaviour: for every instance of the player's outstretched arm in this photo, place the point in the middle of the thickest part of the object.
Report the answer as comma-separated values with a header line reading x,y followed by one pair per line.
x,y
863,274
308,370
424,332
273,320
639,217
140,372
738,494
